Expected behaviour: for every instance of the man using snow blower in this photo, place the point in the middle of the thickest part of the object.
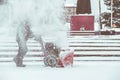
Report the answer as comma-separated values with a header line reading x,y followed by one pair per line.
x,y
39,18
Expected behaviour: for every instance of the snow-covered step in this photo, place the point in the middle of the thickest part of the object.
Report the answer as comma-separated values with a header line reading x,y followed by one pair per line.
x,y
93,58
94,40
5,54
15,44
97,53
35,59
10,59
85,48
16,48
96,49
70,44
78,48
76,53
91,48
94,44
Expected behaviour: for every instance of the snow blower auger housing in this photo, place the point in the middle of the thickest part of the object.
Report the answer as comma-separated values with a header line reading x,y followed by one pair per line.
x,y
53,58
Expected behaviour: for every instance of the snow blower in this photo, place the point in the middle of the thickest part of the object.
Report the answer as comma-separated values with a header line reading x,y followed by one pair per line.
x,y
55,57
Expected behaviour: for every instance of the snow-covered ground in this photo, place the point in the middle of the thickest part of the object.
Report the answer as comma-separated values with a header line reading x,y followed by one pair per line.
x,y
79,71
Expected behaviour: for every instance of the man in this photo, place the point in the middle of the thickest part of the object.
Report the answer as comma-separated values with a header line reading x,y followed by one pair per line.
x,y
38,18
23,34
83,7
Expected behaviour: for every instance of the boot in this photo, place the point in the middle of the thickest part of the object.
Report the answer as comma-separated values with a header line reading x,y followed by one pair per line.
x,y
19,62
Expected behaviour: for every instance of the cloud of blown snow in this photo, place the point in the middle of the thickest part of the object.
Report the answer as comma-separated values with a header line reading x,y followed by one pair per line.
x,y
45,17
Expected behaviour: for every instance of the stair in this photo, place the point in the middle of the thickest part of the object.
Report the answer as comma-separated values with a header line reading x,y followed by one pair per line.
x,y
86,48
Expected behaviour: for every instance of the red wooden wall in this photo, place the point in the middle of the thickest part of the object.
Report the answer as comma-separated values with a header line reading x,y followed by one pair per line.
x,y
86,21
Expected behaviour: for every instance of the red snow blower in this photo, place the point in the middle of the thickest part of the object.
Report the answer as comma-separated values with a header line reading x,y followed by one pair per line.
x,y
55,57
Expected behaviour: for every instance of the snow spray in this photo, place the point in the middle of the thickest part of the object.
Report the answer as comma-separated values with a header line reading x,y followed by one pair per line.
x,y
45,18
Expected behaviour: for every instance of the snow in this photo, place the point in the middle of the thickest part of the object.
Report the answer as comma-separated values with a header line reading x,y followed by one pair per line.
x,y
79,71
44,20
